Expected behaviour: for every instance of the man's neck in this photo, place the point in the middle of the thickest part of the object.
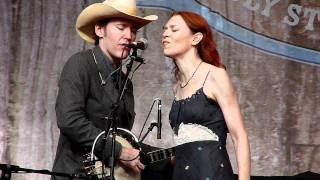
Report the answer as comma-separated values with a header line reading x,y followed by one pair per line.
x,y
116,62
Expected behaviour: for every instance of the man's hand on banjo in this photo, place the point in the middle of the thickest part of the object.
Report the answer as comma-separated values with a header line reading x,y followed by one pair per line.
x,y
130,158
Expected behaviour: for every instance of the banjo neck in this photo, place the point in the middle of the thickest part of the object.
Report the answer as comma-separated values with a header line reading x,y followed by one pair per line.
x,y
158,155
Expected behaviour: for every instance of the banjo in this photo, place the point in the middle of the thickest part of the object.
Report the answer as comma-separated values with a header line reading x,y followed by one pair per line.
x,y
127,139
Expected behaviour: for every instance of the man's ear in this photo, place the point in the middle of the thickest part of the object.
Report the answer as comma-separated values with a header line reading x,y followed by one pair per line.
x,y
99,30
197,37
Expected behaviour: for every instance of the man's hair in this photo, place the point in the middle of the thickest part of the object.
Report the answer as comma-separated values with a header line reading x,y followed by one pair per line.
x,y
100,23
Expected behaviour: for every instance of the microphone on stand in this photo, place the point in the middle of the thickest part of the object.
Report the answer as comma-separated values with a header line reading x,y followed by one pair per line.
x,y
142,44
159,125
153,122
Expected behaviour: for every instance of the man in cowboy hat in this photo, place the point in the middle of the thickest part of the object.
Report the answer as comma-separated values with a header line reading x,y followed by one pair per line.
x,y
89,88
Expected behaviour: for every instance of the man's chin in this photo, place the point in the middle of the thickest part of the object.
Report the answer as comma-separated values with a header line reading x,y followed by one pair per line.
x,y
123,56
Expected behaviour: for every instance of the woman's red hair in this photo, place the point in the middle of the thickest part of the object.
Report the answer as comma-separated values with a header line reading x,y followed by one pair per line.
x,y
207,47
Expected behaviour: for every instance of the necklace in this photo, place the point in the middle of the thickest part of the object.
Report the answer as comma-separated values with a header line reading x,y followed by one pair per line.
x,y
182,86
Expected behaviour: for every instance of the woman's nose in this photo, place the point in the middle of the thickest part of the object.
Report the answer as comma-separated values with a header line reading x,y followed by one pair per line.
x,y
165,34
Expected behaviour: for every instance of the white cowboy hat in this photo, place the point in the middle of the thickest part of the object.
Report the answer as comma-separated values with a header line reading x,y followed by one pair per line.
x,y
126,9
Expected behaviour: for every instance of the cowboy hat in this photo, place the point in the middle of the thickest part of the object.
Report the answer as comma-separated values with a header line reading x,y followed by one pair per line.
x,y
126,9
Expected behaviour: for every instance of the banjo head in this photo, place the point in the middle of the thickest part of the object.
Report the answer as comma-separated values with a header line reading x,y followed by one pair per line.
x,y
126,139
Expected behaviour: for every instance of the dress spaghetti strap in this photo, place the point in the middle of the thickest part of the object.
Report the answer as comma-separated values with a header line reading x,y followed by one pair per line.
x,y
205,78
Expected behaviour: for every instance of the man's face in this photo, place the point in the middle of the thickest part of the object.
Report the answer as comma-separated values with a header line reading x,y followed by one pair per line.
x,y
114,37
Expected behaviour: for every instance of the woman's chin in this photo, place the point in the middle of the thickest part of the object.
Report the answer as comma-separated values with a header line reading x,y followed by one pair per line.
x,y
167,54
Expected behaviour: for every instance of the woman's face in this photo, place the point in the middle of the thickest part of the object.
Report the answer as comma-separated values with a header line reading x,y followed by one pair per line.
x,y
176,38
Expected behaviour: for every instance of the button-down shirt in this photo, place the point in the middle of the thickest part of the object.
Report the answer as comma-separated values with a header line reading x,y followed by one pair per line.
x,y
82,105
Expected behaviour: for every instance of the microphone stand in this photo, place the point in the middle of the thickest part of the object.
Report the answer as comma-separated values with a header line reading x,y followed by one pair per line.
x,y
152,125
115,110
8,169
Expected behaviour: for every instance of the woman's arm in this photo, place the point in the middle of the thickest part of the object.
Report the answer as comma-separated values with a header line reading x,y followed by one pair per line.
x,y
225,95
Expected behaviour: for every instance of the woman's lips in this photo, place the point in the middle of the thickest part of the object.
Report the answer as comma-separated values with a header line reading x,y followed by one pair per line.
x,y
164,43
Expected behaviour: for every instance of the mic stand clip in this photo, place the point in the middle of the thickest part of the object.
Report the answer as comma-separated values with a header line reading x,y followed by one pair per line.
x,y
152,125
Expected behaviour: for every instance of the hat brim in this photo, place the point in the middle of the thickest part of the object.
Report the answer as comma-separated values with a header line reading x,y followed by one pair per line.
x,y
96,12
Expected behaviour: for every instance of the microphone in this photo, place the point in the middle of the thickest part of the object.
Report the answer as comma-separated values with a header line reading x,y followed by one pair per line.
x,y
142,44
159,125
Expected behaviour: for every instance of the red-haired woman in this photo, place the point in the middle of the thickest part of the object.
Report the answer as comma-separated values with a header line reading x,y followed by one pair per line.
x,y
205,107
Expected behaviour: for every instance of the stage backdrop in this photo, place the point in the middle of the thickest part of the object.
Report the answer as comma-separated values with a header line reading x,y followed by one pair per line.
x,y
270,48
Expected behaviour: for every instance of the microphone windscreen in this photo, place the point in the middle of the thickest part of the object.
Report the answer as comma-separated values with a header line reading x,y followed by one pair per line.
x,y
145,43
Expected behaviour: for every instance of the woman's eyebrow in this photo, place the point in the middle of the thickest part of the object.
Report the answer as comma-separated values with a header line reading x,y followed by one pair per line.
x,y
171,26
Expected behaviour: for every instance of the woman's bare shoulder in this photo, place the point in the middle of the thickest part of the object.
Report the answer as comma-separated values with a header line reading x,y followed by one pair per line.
x,y
218,73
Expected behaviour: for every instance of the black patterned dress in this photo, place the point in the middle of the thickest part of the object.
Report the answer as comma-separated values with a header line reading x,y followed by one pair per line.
x,y
200,135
